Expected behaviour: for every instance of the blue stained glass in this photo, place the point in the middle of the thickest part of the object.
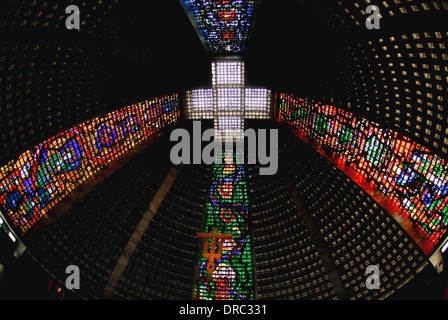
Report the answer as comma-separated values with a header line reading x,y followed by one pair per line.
x,y
106,137
71,155
407,175
13,200
224,25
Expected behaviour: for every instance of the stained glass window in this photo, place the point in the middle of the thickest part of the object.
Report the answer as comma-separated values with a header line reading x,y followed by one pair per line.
x,y
227,211
32,184
224,25
410,175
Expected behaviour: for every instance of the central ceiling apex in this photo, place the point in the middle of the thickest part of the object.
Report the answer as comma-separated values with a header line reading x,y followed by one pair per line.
x,y
223,25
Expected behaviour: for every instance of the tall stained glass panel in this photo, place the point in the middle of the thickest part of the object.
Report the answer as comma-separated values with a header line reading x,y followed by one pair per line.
x,y
39,178
227,213
409,174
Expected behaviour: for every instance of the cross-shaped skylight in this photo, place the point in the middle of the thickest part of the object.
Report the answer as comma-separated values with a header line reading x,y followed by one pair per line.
x,y
229,102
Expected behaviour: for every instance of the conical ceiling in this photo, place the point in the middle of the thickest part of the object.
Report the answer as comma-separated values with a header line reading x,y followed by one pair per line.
x,y
396,77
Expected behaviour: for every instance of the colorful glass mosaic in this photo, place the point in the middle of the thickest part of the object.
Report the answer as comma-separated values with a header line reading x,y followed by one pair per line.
x,y
35,182
224,25
227,212
410,175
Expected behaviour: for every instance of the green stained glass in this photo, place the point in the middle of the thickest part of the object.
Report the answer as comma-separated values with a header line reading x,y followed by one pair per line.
x,y
227,212
321,127
345,135
408,173
376,151
301,114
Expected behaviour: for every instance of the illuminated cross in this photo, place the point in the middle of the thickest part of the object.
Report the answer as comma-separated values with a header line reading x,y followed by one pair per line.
x,y
228,103
213,255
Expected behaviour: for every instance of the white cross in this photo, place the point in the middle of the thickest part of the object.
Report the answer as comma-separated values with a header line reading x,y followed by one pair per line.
x,y
228,103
